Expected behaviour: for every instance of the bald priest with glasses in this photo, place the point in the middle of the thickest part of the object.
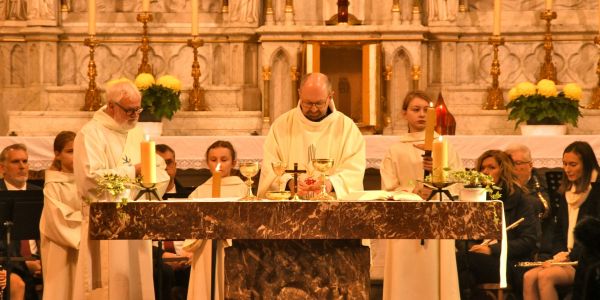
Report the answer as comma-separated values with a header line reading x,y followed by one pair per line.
x,y
110,144
316,124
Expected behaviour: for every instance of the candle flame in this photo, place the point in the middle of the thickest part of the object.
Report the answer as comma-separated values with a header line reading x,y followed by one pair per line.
x,y
440,138
146,137
218,168
431,104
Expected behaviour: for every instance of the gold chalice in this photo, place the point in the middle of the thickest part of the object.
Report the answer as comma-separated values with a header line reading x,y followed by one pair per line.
x,y
323,165
249,169
279,168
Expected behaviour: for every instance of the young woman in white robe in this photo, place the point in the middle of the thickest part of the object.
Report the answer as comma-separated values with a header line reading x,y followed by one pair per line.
x,y
60,224
223,154
414,270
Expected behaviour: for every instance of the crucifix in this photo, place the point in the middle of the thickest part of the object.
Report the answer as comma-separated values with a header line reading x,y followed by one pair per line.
x,y
295,173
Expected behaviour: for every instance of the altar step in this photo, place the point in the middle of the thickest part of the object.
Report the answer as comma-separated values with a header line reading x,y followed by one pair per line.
x,y
50,123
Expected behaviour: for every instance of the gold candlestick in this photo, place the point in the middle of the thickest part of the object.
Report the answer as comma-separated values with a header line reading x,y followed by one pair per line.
x,y
266,75
92,95
416,75
595,101
495,100
196,101
144,18
548,70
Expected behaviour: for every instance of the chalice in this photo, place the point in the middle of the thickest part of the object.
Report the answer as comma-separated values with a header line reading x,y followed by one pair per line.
x,y
279,168
323,165
249,169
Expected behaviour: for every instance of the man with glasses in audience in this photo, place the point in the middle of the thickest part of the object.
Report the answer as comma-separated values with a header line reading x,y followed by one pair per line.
x,y
110,144
315,124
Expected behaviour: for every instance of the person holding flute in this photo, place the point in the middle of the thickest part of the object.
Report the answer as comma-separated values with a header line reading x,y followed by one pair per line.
x,y
580,197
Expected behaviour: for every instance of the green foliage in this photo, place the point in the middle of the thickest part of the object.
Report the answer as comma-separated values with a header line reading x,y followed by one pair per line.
x,y
476,179
540,110
160,101
114,185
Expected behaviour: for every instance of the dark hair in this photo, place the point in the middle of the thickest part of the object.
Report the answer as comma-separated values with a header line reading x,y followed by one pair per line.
x,y
413,95
508,179
162,148
584,151
221,144
60,141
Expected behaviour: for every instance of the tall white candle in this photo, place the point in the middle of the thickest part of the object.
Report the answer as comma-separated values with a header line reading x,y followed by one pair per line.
x,y
497,4
92,17
548,4
194,17
440,160
148,157
145,5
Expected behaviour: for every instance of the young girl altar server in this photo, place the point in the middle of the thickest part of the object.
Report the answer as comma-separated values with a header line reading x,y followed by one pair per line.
x,y
580,197
413,269
60,224
223,154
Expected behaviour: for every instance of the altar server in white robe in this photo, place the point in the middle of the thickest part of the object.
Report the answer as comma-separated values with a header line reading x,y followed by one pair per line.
x,y
413,270
110,144
315,121
60,224
220,155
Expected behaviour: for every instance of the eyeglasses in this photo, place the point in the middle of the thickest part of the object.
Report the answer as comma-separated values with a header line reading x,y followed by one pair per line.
x,y
520,163
130,111
308,105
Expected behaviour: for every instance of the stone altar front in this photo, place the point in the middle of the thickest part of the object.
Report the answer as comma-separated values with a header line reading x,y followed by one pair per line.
x,y
284,249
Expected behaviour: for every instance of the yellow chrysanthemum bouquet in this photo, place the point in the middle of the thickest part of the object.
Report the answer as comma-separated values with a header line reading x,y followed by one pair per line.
x,y
160,98
542,104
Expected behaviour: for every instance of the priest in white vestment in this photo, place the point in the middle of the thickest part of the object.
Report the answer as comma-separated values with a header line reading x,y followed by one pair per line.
x,y
315,121
414,270
60,223
110,144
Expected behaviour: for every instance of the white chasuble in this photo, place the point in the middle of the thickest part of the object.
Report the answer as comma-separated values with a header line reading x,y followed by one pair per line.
x,y
60,231
199,286
116,269
412,270
335,137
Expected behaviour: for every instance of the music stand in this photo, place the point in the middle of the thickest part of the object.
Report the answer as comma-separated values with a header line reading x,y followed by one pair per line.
x,y
20,213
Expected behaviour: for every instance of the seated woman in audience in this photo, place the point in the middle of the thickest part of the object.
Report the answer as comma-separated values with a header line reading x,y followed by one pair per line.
x,y
580,197
60,223
402,166
482,260
222,154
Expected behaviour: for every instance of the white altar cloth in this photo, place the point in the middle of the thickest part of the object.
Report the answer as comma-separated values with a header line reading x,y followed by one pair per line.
x,y
190,150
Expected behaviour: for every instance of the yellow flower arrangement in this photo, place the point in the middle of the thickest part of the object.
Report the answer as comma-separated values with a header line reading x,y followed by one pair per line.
x,y
543,104
160,98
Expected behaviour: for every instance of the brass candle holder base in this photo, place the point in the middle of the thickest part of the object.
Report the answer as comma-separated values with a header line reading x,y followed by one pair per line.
x,y
92,95
495,100
144,18
149,191
196,102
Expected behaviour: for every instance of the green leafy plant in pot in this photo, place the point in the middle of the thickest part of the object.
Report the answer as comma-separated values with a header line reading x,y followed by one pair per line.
x,y
160,98
474,179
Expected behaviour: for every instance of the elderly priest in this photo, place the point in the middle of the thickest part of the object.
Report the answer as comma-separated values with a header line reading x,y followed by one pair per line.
x,y
110,144
316,124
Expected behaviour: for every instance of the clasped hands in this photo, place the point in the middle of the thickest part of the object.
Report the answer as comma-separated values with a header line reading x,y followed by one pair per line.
x,y
558,257
180,264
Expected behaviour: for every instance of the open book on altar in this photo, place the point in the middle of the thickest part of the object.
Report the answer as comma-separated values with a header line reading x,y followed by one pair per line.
x,y
382,195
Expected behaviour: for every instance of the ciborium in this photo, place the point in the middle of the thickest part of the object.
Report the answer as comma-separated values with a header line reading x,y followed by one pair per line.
x,y
249,169
323,165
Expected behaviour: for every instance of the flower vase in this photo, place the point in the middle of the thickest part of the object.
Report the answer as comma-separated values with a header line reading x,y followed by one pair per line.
x,y
543,130
473,195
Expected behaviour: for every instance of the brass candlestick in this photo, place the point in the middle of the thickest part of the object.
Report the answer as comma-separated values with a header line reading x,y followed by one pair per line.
x,y
595,101
495,100
196,103
92,96
415,73
548,70
144,18
266,75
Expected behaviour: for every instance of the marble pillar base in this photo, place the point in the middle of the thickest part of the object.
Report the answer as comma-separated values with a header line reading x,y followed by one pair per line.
x,y
297,269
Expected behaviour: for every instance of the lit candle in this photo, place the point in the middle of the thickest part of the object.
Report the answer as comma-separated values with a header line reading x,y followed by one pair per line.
x,y
148,153
216,182
496,17
430,126
92,17
145,5
194,17
440,160
548,4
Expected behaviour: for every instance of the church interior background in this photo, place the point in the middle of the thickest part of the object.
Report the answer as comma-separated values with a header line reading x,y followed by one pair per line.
x,y
254,53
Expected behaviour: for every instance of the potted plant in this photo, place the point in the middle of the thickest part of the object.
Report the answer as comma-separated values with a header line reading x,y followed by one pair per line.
x,y
475,185
542,104
115,188
160,99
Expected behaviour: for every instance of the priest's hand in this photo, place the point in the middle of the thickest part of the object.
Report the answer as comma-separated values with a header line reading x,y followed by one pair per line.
x,y
561,257
423,191
305,187
483,249
176,265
